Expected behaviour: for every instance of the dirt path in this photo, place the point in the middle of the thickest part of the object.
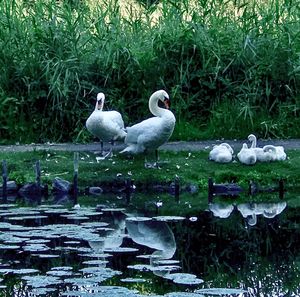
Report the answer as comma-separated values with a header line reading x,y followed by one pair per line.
x,y
172,146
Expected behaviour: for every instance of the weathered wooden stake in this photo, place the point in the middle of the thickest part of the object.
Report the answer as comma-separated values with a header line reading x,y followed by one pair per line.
x,y
230,189
210,190
4,177
255,189
176,189
38,173
128,190
75,178
38,179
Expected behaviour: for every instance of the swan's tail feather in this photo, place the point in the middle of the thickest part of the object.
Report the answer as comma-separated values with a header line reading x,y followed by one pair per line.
x,y
132,149
121,136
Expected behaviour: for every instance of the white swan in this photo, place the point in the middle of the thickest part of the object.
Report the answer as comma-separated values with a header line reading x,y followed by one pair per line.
x,y
277,152
262,155
247,155
150,134
106,125
221,153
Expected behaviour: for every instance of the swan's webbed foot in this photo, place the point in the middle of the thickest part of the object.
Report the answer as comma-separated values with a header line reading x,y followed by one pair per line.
x,y
155,164
104,155
150,165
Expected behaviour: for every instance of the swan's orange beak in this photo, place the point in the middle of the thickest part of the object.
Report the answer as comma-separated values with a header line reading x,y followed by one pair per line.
x,y
167,103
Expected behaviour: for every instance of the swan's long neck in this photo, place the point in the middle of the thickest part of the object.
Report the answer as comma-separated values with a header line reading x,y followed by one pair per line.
x,y
253,141
269,148
154,108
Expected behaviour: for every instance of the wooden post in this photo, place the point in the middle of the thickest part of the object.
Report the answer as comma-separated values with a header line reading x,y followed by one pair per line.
x,y
176,190
75,177
38,180
4,177
210,190
128,190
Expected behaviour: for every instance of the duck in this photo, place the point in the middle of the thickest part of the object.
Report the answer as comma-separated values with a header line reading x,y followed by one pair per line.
x,y
277,152
106,125
247,155
262,155
221,153
153,132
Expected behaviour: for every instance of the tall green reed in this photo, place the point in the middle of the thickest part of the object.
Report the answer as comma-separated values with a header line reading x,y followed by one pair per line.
x,y
229,66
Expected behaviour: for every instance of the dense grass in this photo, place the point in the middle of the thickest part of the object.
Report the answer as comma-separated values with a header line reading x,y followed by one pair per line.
x,y
191,168
231,67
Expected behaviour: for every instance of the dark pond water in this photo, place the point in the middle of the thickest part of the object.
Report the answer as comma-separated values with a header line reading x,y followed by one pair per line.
x,y
225,250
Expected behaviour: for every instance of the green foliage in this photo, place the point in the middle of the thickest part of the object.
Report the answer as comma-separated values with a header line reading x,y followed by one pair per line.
x,y
230,66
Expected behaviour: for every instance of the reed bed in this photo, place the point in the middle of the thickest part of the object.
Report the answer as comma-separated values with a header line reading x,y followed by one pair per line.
x,y
230,67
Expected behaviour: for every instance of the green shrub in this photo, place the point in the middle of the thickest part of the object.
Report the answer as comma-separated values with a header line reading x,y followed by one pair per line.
x,y
230,67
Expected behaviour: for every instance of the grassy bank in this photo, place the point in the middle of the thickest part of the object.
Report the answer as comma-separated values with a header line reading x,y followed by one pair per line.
x,y
191,168
230,67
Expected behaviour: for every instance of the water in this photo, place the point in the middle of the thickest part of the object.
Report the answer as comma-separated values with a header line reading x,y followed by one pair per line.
x,y
224,250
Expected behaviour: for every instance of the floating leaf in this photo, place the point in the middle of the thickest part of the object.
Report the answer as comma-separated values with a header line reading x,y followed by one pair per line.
x,y
184,278
221,291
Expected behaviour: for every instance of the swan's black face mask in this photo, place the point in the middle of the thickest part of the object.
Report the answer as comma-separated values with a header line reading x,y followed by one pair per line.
x,y
167,103
99,104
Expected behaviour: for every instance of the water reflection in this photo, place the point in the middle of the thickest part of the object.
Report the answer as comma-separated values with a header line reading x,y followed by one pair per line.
x,y
155,235
249,211
221,210
61,251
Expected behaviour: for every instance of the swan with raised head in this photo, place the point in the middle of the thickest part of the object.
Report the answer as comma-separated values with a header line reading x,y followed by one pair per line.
x,y
262,155
106,125
246,155
221,153
277,152
151,133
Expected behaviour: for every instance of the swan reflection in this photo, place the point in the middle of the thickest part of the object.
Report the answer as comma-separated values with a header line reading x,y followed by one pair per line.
x,y
221,210
156,235
249,211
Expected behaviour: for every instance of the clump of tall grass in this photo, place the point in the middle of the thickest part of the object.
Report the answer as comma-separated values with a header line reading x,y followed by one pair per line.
x,y
231,67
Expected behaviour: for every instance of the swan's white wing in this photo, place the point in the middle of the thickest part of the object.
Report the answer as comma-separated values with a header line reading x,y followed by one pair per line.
x,y
112,125
114,117
150,133
147,127
106,125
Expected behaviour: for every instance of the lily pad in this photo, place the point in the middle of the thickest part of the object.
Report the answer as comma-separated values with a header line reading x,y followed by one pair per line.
x,y
168,218
43,291
184,278
121,250
138,219
183,294
40,281
95,262
133,280
221,291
